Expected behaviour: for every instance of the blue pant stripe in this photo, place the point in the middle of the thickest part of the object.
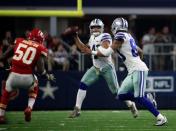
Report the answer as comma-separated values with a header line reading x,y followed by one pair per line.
x,y
114,72
141,83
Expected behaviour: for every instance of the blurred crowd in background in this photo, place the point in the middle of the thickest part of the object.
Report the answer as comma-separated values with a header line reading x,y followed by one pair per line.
x,y
63,53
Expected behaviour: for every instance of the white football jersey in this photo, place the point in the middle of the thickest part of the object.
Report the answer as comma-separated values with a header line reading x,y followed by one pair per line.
x,y
129,53
94,43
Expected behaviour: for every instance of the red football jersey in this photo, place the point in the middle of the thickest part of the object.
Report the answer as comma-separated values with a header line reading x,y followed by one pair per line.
x,y
26,55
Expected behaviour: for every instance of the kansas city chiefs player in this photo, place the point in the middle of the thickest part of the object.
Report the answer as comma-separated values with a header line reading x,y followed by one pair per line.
x,y
27,54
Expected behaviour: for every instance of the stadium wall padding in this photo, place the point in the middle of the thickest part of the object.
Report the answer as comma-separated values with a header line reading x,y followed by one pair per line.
x,y
61,95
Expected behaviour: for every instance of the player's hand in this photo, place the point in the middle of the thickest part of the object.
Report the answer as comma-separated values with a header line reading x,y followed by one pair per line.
x,y
8,69
86,50
51,77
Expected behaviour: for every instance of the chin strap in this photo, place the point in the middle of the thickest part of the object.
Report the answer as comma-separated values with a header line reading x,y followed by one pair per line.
x,y
96,33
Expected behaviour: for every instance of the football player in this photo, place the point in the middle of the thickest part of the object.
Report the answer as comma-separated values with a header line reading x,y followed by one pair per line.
x,y
133,86
27,54
102,65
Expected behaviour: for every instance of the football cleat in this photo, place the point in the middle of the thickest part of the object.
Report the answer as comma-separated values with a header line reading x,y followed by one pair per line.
x,y
161,121
134,110
2,120
75,113
27,113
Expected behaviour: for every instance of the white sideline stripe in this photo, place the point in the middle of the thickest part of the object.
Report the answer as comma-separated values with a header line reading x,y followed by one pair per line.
x,y
116,111
2,129
122,128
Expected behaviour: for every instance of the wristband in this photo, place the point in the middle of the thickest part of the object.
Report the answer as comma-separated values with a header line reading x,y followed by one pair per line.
x,y
94,52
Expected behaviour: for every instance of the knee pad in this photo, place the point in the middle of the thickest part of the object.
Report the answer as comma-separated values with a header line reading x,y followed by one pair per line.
x,y
12,94
83,86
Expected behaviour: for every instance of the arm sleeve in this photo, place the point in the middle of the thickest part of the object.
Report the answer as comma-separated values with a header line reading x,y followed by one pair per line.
x,y
120,37
44,51
105,52
106,37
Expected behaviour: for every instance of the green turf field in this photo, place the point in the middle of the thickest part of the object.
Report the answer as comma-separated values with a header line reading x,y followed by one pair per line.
x,y
88,121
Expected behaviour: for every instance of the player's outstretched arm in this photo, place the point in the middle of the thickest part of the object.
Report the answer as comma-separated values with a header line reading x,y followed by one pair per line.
x,y
41,69
71,32
116,44
82,47
8,53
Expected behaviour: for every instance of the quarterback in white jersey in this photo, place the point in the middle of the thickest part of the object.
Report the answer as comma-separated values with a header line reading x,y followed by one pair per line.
x,y
102,65
133,86
95,43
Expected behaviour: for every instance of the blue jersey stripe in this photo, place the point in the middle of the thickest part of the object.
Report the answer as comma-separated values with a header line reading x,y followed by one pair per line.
x,y
107,36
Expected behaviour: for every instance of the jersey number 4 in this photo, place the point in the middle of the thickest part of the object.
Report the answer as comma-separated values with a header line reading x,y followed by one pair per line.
x,y
26,55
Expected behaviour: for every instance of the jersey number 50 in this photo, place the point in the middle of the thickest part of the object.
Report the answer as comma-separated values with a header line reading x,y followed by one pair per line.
x,y
27,55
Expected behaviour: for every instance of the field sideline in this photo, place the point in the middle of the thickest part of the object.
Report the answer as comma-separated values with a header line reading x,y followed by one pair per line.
x,y
88,121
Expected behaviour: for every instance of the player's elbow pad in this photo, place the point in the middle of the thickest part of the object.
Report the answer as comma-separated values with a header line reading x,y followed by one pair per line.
x,y
105,52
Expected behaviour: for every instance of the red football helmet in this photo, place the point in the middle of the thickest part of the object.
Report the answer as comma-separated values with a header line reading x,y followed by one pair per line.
x,y
36,35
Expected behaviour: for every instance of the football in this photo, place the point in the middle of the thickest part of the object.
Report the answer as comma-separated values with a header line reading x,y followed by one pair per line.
x,y
70,31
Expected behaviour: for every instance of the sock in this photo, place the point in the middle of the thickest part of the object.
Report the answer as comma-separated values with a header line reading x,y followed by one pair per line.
x,y
159,116
32,96
145,102
4,101
80,97
31,102
128,103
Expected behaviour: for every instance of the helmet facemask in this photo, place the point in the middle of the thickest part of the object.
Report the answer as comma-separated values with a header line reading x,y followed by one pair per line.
x,y
96,27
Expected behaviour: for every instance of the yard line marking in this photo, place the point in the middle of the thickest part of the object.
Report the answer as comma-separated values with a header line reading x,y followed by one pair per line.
x,y
62,124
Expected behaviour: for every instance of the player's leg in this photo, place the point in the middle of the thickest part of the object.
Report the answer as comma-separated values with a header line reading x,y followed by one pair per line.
x,y
139,81
88,79
151,96
33,92
5,97
125,93
109,74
